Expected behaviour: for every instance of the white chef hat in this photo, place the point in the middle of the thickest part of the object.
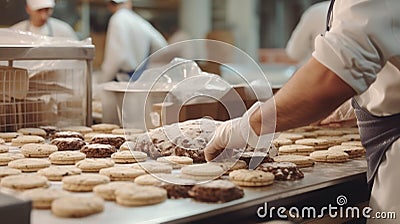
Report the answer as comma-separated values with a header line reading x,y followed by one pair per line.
x,y
40,4
118,1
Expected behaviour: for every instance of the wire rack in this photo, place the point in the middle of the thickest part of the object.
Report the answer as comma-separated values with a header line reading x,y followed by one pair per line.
x,y
45,86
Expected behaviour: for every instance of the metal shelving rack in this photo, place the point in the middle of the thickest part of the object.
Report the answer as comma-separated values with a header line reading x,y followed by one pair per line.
x,y
12,53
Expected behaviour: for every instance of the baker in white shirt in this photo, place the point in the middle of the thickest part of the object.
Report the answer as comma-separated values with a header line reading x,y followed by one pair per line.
x,y
130,40
359,57
312,24
40,21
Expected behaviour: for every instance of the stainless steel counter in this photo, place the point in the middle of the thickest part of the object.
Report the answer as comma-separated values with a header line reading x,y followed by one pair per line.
x,y
319,177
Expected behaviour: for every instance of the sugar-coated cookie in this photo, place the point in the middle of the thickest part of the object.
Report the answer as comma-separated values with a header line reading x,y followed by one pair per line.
x,y
205,171
8,171
329,156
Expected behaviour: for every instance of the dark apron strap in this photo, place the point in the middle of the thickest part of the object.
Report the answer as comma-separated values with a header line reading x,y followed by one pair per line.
x,y
329,16
377,135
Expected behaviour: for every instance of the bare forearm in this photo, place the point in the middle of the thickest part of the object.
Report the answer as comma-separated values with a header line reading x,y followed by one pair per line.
x,y
311,94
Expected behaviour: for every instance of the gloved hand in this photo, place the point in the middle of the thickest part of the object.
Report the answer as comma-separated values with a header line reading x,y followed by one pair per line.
x,y
343,116
236,134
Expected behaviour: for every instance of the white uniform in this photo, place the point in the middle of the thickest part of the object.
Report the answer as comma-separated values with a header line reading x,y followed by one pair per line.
x,y
130,39
311,24
54,27
363,48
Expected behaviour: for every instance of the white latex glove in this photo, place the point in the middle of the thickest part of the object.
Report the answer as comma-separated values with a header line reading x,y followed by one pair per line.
x,y
236,134
343,116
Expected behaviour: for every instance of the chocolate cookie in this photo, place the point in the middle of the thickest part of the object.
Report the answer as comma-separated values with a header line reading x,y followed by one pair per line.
x,y
219,191
65,144
282,170
98,150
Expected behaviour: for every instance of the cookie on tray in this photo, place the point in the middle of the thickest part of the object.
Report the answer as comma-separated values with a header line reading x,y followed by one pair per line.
x,y
43,197
217,191
291,136
8,136
352,151
282,170
7,157
81,129
56,173
35,150
295,149
83,182
114,140
66,157
32,131
25,139
121,173
353,143
98,150
153,167
68,134
251,178
24,182
29,164
104,128
94,165
278,142
229,166
177,187
68,144
140,196
176,162
202,172
300,161
77,206
4,148
128,156
50,130
127,146
329,156
317,143
8,171
107,191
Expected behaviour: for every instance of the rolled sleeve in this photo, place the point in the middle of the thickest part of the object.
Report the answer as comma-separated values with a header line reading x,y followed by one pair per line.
x,y
349,49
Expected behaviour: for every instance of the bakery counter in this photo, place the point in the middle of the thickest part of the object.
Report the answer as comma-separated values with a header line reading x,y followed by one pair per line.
x,y
321,185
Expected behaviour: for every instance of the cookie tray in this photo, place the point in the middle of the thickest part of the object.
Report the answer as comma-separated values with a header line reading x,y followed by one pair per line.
x,y
317,178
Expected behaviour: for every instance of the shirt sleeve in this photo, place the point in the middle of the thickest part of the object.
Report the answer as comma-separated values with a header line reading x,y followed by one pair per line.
x,y
114,52
354,48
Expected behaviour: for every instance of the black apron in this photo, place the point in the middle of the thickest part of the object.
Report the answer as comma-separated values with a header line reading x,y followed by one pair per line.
x,y
377,135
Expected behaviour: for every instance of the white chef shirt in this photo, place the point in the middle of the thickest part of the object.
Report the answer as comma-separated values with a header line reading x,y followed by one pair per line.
x,y
363,48
54,27
130,39
311,24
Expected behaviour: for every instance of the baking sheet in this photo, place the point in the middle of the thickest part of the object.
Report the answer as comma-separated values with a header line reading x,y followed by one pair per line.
x,y
317,177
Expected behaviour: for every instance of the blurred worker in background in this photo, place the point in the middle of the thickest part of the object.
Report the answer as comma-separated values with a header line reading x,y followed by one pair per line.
x,y
40,21
312,23
130,40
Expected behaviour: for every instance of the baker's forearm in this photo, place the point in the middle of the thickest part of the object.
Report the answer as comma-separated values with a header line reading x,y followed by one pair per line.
x,y
311,94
